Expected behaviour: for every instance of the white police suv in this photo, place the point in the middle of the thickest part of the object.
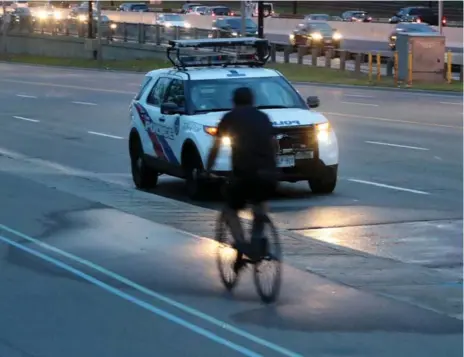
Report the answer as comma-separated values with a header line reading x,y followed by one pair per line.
x,y
175,115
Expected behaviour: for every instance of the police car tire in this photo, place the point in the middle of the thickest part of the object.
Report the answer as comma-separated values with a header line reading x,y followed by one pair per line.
x,y
195,186
324,185
144,177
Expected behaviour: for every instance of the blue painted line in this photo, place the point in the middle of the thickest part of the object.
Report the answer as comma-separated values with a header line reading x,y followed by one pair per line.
x,y
132,299
184,308
167,150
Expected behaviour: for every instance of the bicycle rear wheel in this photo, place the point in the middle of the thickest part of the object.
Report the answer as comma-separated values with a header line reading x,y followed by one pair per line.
x,y
226,255
273,259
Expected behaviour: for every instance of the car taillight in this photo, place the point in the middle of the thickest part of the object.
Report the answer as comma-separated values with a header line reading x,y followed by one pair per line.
x,y
369,18
444,20
418,20
232,14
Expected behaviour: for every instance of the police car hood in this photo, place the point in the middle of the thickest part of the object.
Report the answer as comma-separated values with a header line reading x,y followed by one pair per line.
x,y
279,117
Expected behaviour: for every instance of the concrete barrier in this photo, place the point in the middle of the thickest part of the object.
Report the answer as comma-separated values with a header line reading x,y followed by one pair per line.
x,y
75,47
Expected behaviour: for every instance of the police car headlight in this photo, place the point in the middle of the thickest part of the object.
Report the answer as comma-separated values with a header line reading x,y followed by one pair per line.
x,y
226,141
234,34
323,131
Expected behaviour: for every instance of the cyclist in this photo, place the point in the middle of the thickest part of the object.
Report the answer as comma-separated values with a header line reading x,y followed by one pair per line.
x,y
253,170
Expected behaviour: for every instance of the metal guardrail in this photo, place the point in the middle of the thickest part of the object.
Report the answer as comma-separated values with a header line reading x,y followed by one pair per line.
x,y
157,35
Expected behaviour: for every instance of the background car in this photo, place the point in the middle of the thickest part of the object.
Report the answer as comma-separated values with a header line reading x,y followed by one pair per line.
x,y
188,8
48,16
199,10
232,26
321,17
134,7
79,18
171,20
268,9
316,34
356,16
417,14
408,28
219,11
22,20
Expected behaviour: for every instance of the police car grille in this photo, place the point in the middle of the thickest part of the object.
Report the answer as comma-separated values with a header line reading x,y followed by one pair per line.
x,y
301,138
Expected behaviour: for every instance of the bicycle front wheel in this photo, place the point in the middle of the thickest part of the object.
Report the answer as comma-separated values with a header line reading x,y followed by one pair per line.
x,y
269,289
226,255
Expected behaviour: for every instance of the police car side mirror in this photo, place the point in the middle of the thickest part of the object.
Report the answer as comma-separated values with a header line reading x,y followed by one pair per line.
x,y
170,108
313,101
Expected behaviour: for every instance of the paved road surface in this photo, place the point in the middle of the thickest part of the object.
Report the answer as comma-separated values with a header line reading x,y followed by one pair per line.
x,y
395,221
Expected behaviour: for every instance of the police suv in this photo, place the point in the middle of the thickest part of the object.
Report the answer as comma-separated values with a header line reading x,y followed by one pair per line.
x,y
175,115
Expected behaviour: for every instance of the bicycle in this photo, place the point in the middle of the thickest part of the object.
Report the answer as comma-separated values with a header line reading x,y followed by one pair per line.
x,y
224,249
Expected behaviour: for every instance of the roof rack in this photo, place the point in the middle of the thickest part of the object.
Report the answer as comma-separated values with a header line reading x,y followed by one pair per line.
x,y
225,52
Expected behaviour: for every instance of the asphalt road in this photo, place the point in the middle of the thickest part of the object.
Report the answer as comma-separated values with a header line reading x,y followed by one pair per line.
x,y
399,197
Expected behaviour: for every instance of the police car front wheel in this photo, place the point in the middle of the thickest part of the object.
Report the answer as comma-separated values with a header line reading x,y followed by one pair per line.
x,y
194,179
144,177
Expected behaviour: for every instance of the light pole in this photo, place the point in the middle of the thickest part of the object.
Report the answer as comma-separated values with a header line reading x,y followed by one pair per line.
x,y
260,19
4,28
440,16
99,38
243,11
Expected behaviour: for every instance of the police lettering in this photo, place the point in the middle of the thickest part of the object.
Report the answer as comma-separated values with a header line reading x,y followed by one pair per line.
x,y
286,122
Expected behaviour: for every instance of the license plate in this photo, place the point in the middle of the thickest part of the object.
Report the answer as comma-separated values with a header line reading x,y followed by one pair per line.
x,y
304,155
285,161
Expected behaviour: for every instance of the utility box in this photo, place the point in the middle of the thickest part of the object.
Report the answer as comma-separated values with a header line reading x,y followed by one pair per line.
x,y
428,56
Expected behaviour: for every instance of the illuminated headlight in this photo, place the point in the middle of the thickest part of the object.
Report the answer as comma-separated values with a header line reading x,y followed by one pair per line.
x,y
291,36
113,26
393,37
187,25
57,16
167,24
323,131
82,18
337,36
234,34
42,15
316,36
226,141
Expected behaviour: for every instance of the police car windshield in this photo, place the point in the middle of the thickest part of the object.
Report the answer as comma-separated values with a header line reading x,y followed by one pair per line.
x,y
216,94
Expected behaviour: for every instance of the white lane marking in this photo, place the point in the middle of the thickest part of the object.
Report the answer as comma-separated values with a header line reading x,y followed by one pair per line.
x,y
451,103
438,158
396,145
26,119
358,95
132,299
105,135
186,309
46,84
85,103
391,120
26,96
389,186
365,104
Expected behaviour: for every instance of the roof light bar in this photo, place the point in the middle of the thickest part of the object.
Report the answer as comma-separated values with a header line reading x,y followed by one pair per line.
x,y
230,57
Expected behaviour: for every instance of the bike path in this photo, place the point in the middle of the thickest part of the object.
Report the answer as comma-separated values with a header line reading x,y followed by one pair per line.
x,y
165,267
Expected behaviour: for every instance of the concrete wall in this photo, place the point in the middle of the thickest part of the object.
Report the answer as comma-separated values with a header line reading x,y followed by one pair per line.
x,y
73,47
